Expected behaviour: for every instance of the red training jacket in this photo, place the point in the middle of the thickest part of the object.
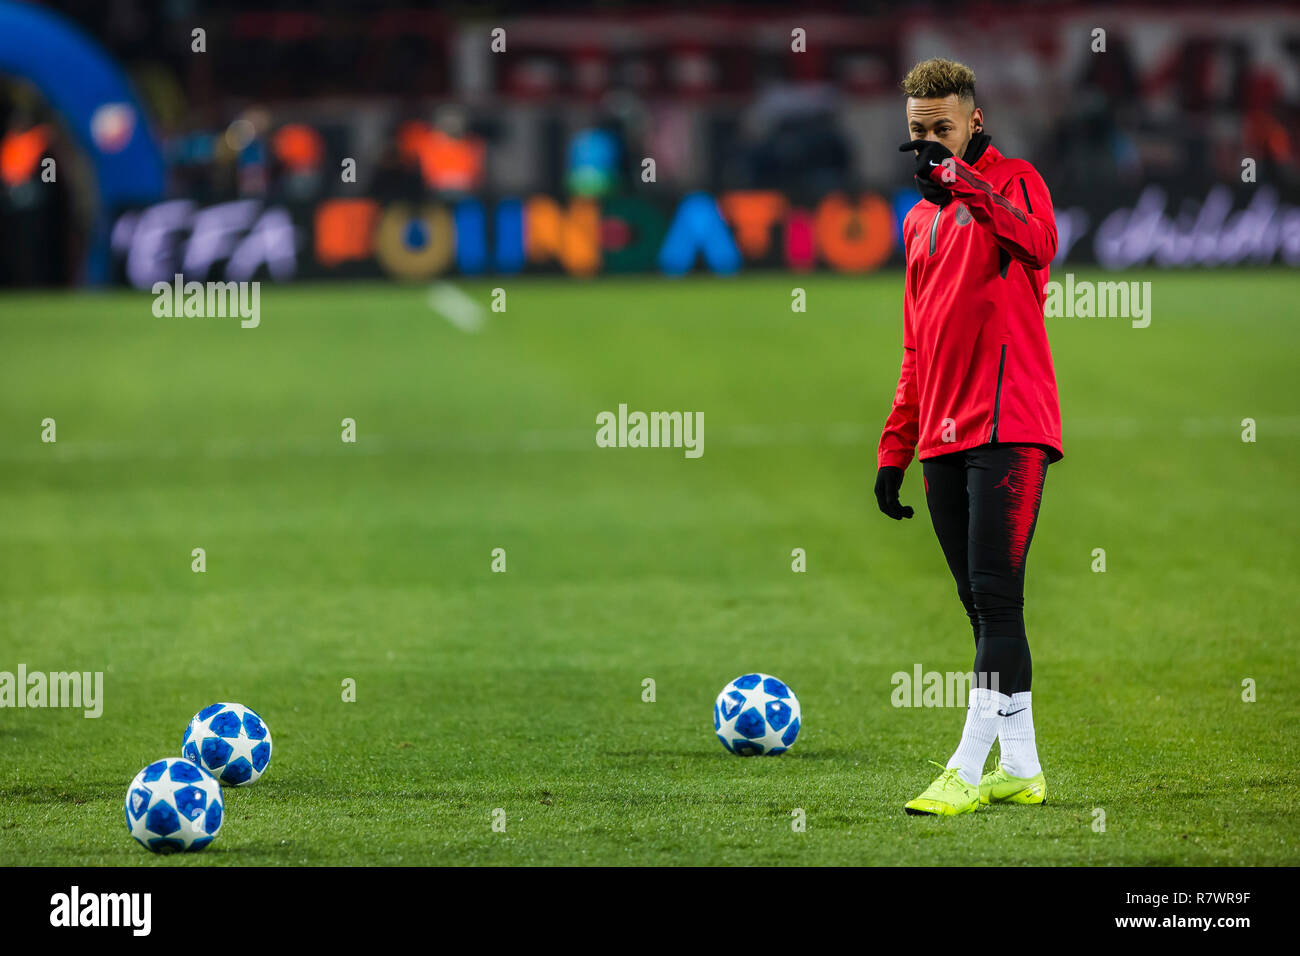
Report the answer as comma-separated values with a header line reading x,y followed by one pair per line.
x,y
977,368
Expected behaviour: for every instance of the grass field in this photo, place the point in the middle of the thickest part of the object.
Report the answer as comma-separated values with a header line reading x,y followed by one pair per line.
x,y
522,691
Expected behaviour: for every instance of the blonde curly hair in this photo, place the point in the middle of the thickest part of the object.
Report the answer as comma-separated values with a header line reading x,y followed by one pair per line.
x,y
936,78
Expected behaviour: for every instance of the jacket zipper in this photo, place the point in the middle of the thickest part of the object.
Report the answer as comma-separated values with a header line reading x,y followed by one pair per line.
x,y
934,231
997,397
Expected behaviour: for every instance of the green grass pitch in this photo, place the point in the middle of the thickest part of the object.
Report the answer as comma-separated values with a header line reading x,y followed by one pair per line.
x,y
523,691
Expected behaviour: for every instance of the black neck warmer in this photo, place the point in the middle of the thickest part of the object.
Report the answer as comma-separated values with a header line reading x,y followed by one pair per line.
x,y
975,148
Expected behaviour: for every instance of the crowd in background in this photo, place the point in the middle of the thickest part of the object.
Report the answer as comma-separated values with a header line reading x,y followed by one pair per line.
x,y
277,99
283,93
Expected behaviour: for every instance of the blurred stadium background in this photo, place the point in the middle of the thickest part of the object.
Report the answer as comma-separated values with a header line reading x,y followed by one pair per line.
x,y
230,161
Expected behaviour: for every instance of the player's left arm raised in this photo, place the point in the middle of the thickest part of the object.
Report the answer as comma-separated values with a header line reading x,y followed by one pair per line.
x,y
1020,217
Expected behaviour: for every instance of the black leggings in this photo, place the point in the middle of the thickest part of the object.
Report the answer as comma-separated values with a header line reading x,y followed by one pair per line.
x,y
984,506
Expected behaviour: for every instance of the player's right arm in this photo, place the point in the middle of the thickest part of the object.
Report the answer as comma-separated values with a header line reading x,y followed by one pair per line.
x,y
898,439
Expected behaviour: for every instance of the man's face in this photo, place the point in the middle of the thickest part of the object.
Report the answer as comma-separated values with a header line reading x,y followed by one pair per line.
x,y
948,121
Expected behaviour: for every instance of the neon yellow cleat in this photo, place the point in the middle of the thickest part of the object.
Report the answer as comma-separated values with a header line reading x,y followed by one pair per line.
x,y
998,786
948,796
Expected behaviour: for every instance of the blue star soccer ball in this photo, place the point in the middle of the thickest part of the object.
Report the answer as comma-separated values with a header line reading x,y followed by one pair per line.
x,y
756,714
173,806
230,742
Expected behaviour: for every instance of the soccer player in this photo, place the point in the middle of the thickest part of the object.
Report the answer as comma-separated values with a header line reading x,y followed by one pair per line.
x,y
977,394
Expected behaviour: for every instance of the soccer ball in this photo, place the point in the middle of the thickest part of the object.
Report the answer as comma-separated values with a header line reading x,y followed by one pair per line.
x,y
173,806
756,714
230,742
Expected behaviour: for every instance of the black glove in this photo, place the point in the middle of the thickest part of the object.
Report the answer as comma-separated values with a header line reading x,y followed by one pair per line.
x,y
928,155
889,480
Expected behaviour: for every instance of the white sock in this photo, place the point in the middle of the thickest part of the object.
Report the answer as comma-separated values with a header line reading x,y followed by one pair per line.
x,y
1019,752
982,722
